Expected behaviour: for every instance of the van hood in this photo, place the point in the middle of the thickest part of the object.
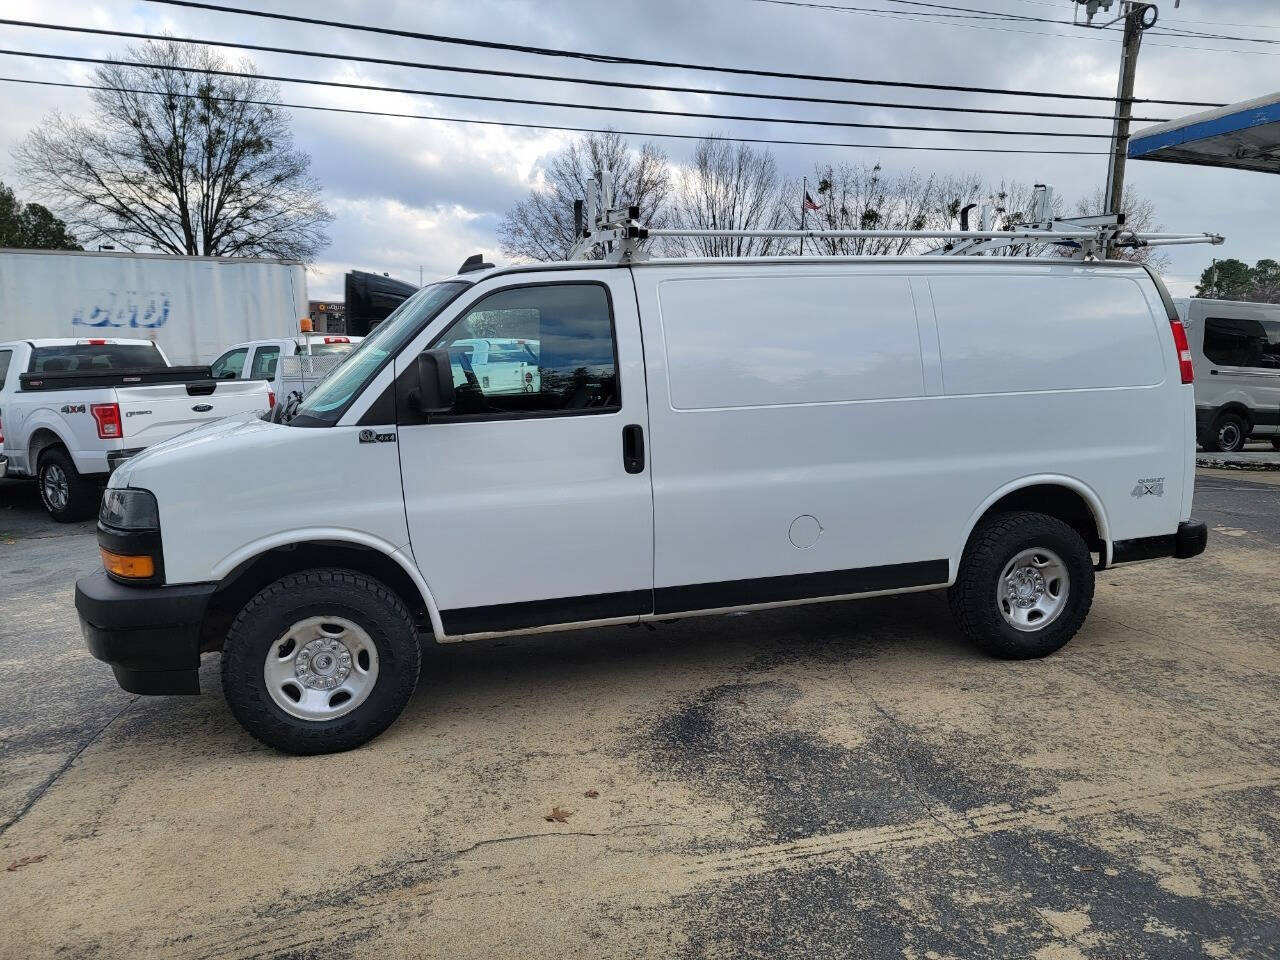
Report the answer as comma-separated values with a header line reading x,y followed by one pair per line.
x,y
197,437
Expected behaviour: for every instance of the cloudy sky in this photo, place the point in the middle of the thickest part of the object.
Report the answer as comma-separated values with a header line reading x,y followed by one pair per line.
x,y
424,194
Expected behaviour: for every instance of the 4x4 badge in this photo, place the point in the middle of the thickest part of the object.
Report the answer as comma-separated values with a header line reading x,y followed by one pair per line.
x,y
372,436
1153,486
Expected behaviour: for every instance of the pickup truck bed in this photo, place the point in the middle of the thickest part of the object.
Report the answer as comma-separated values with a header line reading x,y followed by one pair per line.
x,y
71,427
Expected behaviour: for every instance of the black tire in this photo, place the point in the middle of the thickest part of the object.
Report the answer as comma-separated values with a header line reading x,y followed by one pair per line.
x,y
1228,434
65,493
992,547
266,618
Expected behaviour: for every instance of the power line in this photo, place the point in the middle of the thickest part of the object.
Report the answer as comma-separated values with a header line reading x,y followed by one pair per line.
x,y
517,75
347,85
558,127
639,61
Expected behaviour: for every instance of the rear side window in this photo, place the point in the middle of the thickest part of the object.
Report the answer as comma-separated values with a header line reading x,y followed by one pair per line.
x,y
549,349
1240,342
83,357
264,363
5,357
230,365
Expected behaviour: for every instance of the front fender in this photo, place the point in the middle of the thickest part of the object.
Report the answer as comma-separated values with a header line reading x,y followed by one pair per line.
x,y
400,555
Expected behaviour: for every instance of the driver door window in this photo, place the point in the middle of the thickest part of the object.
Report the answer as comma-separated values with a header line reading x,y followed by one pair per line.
x,y
535,350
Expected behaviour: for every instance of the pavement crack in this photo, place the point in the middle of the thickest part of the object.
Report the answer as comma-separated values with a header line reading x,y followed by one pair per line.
x,y
896,724
53,778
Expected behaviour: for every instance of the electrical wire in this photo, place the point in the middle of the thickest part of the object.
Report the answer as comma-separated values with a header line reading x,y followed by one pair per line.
x,y
640,61
347,85
622,85
557,127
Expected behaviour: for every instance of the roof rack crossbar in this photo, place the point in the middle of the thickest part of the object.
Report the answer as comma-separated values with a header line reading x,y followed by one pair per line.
x,y
617,232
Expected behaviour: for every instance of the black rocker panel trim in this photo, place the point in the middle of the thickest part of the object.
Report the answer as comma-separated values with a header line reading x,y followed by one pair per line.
x,y
799,586
542,613
692,597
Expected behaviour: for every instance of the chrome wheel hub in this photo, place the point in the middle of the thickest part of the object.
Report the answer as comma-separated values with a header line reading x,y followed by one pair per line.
x,y
321,668
1032,590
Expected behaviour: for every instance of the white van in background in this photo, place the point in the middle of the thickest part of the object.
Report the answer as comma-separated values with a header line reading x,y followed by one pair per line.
x,y
705,436
1236,351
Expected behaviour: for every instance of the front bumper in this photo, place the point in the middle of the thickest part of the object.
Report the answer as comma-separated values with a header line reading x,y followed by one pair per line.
x,y
149,635
1189,541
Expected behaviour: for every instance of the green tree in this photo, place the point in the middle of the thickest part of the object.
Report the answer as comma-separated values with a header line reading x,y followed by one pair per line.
x,y
1233,279
31,226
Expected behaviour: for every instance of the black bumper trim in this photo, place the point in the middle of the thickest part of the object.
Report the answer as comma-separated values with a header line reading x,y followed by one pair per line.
x,y
149,635
117,457
1189,541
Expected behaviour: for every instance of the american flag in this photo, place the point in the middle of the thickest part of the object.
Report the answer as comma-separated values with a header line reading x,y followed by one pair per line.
x,y
809,204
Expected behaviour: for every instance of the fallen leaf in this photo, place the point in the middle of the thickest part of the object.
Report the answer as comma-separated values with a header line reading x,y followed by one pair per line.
x,y
592,794
25,862
558,815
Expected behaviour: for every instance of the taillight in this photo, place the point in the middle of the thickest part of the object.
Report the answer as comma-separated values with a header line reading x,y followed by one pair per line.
x,y
337,339
107,416
1,433
271,399
1184,350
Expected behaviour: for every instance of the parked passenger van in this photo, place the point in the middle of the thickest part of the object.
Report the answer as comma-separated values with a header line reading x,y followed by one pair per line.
x,y
705,436
1235,347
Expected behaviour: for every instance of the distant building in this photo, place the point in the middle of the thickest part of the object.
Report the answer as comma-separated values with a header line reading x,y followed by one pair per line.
x,y
328,316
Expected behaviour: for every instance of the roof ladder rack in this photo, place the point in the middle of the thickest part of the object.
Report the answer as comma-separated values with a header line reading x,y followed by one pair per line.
x,y
618,231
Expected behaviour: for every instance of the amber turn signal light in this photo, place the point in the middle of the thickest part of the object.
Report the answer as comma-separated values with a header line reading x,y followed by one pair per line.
x,y
131,568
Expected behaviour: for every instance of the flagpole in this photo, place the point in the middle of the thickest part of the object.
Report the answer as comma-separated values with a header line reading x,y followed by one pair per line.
x,y
804,192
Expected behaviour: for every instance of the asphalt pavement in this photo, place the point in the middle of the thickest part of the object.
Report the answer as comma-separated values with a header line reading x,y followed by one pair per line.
x,y
838,780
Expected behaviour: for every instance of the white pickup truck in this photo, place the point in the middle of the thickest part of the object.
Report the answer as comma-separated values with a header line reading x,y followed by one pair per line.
x,y
291,365
71,411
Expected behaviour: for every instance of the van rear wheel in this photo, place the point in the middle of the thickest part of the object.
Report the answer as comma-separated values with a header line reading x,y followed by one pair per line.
x,y
320,661
1024,586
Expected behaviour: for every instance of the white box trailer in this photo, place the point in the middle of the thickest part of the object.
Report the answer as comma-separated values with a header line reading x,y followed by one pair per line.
x,y
192,307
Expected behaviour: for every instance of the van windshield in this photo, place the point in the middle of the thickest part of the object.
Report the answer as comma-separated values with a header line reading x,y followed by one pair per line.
x,y
328,400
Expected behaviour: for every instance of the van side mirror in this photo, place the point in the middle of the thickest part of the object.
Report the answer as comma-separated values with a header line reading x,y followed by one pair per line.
x,y
435,392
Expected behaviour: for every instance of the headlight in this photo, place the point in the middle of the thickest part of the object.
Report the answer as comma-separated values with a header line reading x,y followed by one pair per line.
x,y
129,535
127,509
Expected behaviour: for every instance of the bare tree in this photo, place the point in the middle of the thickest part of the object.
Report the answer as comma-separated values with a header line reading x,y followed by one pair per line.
x,y
1139,216
865,197
541,226
180,155
729,187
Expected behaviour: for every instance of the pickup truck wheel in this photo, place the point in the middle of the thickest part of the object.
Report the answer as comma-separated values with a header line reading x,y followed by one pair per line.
x,y
1024,586
320,661
66,494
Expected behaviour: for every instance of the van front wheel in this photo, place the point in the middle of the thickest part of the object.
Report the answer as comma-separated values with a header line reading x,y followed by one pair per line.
x,y
1024,586
320,661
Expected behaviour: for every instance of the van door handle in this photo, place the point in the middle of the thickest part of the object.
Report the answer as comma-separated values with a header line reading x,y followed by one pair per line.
x,y
633,448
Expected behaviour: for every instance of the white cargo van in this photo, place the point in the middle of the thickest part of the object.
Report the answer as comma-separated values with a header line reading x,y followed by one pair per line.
x,y
1235,347
705,436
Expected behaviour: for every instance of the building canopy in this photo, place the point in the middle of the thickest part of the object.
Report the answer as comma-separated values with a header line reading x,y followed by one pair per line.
x,y
1240,136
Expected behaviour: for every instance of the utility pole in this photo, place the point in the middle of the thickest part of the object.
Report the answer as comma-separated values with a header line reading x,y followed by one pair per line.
x,y
1124,106
1137,17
